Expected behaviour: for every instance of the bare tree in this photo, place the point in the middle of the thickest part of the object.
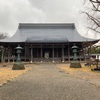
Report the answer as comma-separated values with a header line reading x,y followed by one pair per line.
x,y
3,35
93,14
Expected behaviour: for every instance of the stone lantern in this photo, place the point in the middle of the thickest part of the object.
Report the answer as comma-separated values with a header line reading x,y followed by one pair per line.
x,y
75,63
19,48
18,64
74,50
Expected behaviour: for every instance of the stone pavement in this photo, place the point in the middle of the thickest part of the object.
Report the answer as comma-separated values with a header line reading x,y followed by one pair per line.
x,y
48,82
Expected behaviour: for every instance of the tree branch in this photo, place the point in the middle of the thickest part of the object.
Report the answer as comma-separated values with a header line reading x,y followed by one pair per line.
x,y
95,1
93,29
96,21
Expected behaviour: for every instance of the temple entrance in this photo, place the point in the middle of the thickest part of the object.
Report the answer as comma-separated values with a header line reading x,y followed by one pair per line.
x,y
46,55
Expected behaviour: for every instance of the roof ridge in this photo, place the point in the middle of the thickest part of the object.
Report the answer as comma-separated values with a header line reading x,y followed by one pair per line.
x,y
46,24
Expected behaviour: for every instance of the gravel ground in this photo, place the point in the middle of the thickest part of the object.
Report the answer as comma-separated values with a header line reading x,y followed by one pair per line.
x,y
48,82
83,73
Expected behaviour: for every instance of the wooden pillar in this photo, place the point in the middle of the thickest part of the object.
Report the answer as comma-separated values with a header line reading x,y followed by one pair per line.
x,y
80,55
82,51
2,55
25,53
31,54
85,54
41,53
57,55
90,49
8,54
62,53
53,54
68,52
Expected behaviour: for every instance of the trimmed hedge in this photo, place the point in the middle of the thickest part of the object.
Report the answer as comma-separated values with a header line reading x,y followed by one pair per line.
x,y
18,66
75,65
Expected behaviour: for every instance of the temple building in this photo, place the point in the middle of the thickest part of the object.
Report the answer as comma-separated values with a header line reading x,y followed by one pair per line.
x,y
45,42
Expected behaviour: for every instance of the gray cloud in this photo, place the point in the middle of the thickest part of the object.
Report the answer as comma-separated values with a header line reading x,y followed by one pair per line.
x,y
13,12
58,10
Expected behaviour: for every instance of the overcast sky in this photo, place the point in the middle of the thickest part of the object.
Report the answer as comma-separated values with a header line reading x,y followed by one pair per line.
x,y
13,12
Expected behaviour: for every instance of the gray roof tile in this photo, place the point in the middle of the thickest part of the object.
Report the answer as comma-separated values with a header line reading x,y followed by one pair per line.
x,y
46,33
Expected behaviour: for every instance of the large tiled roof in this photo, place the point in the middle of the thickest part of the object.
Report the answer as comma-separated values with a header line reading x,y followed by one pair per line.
x,y
46,33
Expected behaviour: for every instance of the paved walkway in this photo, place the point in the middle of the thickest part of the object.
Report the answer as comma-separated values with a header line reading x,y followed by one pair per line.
x,y
47,82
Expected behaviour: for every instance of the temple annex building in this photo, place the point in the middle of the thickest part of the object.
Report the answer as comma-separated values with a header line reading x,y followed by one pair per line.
x,y
45,42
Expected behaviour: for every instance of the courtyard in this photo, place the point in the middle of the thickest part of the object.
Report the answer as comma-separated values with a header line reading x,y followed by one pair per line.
x,y
52,82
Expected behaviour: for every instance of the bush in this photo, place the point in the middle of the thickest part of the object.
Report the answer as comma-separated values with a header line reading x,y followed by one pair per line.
x,y
75,65
95,69
18,66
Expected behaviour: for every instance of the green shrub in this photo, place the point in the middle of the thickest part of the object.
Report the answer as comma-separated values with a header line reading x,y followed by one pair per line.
x,y
18,66
75,65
